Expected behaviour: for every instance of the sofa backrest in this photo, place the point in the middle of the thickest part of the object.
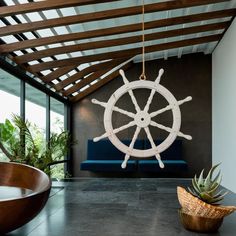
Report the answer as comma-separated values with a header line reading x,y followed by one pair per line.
x,y
174,152
105,150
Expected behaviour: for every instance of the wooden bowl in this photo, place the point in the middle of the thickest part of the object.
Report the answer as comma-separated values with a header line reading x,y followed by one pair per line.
x,y
24,192
198,223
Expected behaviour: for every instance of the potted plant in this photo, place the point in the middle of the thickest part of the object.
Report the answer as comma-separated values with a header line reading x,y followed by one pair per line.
x,y
23,142
200,209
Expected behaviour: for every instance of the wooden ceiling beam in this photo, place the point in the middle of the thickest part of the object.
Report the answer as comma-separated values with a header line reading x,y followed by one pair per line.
x,y
57,73
88,70
5,48
102,15
84,82
89,79
122,54
120,41
100,83
45,5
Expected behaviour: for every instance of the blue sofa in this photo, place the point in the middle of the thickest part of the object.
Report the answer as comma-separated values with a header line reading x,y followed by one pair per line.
x,y
102,156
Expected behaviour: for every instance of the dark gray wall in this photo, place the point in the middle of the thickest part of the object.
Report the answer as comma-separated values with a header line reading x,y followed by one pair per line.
x,y
190,75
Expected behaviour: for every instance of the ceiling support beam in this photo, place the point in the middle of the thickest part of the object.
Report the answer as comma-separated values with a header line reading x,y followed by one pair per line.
x,y
100,83
121,54
102,15
121,41
44,5
89,79
6,48
57,73
88,70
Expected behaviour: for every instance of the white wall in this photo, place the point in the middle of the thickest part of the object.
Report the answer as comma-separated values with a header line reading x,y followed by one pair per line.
x,y
224,106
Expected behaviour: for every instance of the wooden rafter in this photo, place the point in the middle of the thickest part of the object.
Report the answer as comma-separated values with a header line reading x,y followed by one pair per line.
x,y
122,54
89,79
45,5
102,15
57,73
5,48
120,41
85,82
88,70
99,84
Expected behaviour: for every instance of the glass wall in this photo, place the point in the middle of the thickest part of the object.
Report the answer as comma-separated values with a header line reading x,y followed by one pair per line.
x,y
57,126
43,111
9,99
35,108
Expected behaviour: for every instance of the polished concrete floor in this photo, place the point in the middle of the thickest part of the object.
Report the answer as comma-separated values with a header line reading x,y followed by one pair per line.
x,y
115,207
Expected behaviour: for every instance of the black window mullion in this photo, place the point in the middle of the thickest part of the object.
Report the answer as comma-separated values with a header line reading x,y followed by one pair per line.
x,y
48,128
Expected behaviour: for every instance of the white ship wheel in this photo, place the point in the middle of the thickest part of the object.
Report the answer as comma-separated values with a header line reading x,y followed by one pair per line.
x,y
142,118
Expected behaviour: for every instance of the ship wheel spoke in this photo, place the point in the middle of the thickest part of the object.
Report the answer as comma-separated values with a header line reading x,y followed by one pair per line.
x,y
169,107
115,131
131,147
162,127
158,157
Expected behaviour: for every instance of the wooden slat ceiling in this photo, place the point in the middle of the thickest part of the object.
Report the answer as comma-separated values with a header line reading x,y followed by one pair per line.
x,y
77,46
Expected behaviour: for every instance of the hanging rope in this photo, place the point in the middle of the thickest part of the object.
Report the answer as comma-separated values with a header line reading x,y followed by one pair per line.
x,y
143,76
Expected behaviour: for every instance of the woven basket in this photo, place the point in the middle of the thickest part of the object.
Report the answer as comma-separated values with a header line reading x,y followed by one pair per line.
x,y
194,206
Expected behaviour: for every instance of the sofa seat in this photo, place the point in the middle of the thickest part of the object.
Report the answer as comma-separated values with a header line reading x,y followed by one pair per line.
x,y
108,165
170,166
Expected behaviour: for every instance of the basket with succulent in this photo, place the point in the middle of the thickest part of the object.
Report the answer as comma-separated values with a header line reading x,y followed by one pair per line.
x,y
201,210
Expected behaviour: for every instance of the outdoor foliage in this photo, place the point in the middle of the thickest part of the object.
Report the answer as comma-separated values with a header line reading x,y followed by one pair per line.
x,y
23,142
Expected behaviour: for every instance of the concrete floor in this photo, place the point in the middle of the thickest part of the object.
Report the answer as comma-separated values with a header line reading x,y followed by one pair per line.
x,y
115,207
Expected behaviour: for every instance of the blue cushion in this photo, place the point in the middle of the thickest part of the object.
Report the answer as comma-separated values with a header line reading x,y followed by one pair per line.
x,y
174,152
108,165
170,166
105,150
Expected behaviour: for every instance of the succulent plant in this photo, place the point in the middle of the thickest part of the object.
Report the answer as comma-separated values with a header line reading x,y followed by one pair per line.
x,y
207,189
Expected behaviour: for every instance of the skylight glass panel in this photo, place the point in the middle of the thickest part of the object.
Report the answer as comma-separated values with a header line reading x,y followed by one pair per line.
x,y
45,33
55,45
40,48
72,72
29,35
9,2
61,30
74,94
33,63
70,11
51,14
29,50
68,86
9,39
23,1
94,82
46,72
69,43
83,66
2,24
34,16
84,88
62,56
76,54
19,53
21,18
46,59
10,20
63,77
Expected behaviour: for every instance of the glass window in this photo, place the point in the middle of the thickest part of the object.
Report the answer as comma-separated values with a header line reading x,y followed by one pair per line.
x,y
9,99
35,107
56,116
9,95
57,126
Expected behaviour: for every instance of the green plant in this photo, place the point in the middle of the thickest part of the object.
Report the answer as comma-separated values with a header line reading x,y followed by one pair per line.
x,y
22,142
207,189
